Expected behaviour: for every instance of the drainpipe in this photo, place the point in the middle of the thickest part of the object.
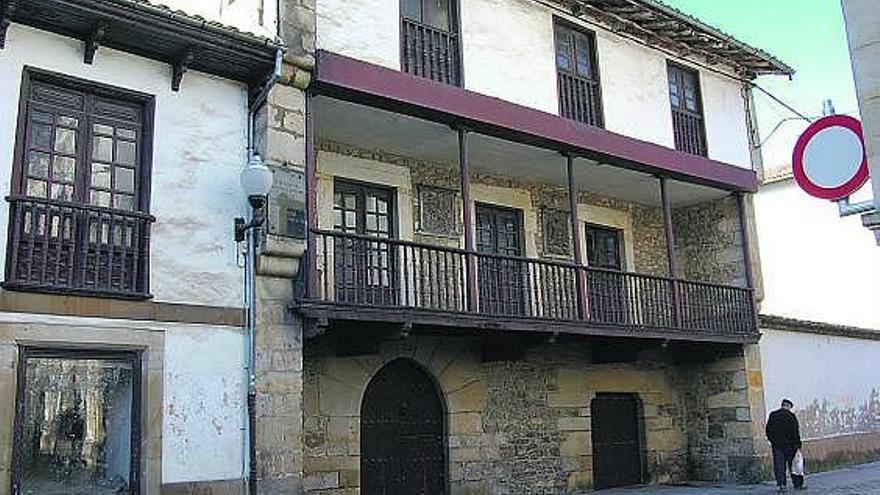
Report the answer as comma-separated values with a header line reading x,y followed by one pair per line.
x,y
249,466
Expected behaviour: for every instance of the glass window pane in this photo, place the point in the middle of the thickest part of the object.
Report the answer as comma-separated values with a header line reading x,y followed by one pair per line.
x,y
584,57
126,133
62,192
100,175
102,149
563,49
126,152
38,164
65,140
437,14
124,179
41,136
411,9
41,116
78,413
123,202
63,169
100,198
350,201
103,129
36,188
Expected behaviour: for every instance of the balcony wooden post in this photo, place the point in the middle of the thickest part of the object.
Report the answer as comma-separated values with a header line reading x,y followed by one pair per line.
x,y
747,255
311,203
670,251
464,169
581,279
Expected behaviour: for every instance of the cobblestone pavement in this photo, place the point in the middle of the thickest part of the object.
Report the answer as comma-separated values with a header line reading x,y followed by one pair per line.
x,y
862,480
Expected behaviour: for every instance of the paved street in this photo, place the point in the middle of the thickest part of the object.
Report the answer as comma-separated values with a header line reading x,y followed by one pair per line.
x,y
863,480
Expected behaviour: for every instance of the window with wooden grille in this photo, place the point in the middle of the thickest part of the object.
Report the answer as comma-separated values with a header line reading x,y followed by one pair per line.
x,y
79,208
687,110
429,40
580,95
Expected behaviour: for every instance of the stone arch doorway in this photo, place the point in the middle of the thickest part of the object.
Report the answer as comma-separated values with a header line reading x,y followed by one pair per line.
x,y
403,433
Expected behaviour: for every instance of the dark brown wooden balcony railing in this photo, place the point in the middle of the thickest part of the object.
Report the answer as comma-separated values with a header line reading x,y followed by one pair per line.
x,y
355,270
430,52
690,132
73,248
579,99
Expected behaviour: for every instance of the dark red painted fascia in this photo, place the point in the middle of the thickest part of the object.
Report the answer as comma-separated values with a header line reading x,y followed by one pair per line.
x,y
361,82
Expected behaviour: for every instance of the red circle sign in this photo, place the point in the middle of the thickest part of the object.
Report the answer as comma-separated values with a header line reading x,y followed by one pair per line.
x,y
830,160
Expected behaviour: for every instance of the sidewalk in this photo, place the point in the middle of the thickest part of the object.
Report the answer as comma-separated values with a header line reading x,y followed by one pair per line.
x,y
862,480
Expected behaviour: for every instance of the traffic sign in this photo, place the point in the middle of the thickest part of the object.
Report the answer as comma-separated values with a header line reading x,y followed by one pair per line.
x,y
830,161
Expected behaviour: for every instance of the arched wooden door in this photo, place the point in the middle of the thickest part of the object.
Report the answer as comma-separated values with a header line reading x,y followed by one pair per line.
x,y
403,448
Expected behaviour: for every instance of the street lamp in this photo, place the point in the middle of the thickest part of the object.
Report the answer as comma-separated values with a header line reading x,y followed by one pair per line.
x,y
256,181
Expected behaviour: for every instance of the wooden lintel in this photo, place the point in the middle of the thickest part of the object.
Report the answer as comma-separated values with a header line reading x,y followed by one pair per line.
x,y
93,42
179,68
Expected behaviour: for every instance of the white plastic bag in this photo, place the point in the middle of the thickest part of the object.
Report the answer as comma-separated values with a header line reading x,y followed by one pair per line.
x,y
797,464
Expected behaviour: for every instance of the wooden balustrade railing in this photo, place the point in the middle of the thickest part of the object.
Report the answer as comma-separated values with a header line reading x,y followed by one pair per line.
x,y
690,132
579,99
430,52
368,271
74,248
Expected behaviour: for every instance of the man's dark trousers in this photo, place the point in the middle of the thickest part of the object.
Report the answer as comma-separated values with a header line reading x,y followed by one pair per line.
x,y
782,459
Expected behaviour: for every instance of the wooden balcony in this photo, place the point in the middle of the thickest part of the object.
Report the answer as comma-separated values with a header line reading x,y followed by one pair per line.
x,y
369,278
690,132
430,52
73,248
579,99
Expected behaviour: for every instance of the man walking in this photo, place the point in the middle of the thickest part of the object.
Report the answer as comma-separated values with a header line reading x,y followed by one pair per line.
x,y
784,434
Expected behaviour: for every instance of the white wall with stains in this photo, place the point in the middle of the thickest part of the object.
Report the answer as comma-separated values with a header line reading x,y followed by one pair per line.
x,y
204,407
833,381
509,53
199,149
816,266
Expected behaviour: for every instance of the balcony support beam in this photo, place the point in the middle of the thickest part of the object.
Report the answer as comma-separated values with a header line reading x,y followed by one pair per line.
x,y
581,280
746,245
670,250
311,201
465,171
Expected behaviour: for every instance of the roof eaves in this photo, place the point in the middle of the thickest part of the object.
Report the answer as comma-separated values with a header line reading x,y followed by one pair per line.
x,y
782,67
214,27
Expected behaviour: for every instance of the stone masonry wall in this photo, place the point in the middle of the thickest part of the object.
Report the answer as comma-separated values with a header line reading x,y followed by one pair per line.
x,y
725,417
708,242
524,426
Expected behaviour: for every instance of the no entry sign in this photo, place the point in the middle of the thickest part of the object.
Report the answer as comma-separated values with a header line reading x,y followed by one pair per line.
x,y
829,159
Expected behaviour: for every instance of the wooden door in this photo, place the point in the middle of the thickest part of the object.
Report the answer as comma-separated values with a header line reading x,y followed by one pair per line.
x,y
606,286
502,281
617,446
365,268
403,448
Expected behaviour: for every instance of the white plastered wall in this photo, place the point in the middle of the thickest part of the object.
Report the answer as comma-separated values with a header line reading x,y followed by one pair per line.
x,y
204,409
816,265
832,381
508,51
368,30
199,142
